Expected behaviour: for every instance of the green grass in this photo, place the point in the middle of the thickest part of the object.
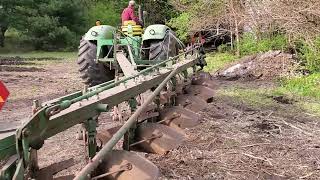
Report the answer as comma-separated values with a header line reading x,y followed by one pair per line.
x,y
217,61
14,46
304,91
311,107
41,54
262,98
257,98
304,86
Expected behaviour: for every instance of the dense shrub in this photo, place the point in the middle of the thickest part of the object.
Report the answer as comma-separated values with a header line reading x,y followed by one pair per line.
x,y
224,48
309,53
250,45
181,25
47,34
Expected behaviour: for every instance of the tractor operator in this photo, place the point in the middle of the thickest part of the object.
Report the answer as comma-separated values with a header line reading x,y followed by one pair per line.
x,y
98,22
128,14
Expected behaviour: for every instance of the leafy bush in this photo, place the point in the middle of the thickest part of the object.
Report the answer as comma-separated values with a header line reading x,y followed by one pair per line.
x,y
46,34
181,25
250,45
224,48
108,12
310,54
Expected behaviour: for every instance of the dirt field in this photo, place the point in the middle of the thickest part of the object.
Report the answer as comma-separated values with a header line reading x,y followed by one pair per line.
x,y
235,140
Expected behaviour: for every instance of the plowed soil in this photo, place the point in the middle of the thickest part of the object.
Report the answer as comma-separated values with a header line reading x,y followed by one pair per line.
x,y
233,141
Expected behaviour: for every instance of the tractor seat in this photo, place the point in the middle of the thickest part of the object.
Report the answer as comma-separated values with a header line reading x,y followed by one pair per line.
x,y
131,28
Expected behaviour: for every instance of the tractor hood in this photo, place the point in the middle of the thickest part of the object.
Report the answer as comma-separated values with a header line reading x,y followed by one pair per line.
x,y
100,32
157,31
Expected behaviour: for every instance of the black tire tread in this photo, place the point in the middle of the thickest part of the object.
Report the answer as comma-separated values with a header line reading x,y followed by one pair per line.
x,y
91,73
163,49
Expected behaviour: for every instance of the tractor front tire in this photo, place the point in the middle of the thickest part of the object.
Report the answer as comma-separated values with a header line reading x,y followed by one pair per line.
x,y
92,72
163,49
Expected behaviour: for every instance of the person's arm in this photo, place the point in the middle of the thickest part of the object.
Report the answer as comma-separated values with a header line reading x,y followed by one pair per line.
x,y
133,17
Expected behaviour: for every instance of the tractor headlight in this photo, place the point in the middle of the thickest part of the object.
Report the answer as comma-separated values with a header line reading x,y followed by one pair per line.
x,y
94,33
152,32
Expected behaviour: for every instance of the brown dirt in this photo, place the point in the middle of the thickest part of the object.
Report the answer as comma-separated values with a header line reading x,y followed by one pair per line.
x,y
264,66
233,141
236,141
26,83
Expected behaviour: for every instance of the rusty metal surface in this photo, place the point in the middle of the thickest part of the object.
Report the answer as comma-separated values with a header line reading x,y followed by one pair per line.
x,y
169,140
142,169
203,92
165,96
204,79
104,135
178,117
147,115
191,102
68,177
149,112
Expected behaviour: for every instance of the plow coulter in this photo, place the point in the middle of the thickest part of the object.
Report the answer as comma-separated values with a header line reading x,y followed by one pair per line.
x,y
164,96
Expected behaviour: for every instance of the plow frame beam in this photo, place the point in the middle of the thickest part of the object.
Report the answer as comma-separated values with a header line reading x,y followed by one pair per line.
x,y
60,114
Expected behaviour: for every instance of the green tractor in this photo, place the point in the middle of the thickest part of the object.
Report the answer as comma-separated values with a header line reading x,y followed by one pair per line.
x,y
106,52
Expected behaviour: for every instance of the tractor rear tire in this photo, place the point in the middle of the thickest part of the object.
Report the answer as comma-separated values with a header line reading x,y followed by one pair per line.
x,y
92,73
163,49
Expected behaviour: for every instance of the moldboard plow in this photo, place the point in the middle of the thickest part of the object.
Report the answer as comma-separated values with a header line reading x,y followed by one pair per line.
x,y
163,94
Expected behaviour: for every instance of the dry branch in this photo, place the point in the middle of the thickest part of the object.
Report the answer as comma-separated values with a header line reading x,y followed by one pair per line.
x,y
259,158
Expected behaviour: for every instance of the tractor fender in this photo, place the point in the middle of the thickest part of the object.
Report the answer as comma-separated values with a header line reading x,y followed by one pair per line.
x,y
157,31
99,32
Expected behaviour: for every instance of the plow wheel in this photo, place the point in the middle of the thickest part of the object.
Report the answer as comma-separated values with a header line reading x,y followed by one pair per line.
x,y
92,72
125,165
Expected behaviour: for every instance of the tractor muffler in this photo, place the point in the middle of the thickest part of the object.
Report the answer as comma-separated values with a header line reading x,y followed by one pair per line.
x,y
191,102
179,118
156,138
125,165
203,92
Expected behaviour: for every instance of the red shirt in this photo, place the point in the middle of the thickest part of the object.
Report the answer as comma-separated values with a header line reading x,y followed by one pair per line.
x,y
128,14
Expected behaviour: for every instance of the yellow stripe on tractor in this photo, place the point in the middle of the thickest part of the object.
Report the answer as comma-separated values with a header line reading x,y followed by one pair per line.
x,y
131,28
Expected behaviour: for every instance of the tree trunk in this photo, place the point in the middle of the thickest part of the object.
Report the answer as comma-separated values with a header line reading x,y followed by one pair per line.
x,y
2,37
237,37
